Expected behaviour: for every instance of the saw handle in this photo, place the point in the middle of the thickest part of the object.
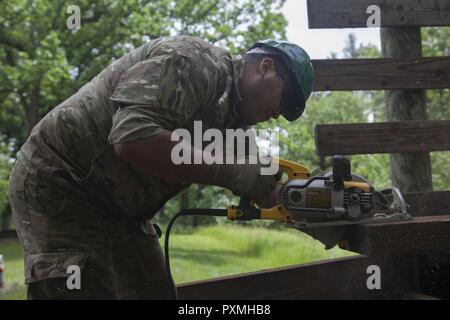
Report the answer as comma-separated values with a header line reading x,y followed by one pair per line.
x,y
246,210
293,169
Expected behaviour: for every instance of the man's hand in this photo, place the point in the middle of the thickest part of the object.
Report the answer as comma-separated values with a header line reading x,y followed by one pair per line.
x,y
246,180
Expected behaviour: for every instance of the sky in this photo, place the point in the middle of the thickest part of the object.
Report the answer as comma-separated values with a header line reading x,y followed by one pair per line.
x,y
319,43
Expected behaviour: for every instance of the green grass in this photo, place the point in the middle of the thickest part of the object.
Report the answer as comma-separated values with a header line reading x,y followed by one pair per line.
x,y
13,275
207,252
223,250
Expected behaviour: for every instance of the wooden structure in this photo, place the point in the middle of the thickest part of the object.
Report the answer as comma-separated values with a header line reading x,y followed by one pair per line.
x,y
362,138
410,269
398,13
382,74
413,256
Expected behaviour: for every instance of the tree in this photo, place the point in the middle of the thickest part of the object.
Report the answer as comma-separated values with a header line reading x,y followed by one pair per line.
x,y
43,63
350,50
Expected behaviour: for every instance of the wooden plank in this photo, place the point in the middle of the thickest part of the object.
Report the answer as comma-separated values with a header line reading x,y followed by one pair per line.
x,y
382,74
422,235
344,278
417,296
428,203
382,137
353,13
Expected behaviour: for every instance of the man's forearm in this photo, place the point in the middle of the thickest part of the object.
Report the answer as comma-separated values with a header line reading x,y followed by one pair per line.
x,y
153,156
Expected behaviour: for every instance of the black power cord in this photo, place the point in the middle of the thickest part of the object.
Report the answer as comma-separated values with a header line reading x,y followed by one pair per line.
x,y
186,212
166,248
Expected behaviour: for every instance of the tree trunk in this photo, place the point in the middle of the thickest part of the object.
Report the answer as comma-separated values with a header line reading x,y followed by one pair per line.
x,y
409,171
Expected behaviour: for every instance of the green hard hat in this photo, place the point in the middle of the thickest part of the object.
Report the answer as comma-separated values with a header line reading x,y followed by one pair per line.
x,y
299,64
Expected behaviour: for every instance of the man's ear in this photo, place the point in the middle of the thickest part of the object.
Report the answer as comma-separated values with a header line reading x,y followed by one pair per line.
x,y
266,66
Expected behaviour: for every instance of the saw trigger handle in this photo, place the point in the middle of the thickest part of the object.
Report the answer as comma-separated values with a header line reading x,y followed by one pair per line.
x,y
292,169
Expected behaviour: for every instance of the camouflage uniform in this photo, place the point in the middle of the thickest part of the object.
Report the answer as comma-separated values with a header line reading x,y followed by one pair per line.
x,y
77,203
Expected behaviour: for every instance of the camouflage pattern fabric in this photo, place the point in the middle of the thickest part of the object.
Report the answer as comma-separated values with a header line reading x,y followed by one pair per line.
x,y
76,202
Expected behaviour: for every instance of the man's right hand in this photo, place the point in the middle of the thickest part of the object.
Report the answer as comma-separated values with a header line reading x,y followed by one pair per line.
x,y
246,180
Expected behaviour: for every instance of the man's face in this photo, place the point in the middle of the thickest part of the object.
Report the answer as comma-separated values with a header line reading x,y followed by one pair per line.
x,y
261,90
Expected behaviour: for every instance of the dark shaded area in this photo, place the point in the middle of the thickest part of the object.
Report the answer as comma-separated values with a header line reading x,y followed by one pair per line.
x,y
434,273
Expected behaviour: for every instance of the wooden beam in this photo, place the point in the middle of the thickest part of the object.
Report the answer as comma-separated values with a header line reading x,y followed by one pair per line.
x,y
422,235
383,137
353,13
417,296
428,203
382,74
344,278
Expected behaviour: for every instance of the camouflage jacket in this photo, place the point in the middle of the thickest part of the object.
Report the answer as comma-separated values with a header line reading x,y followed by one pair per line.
x,y
166,84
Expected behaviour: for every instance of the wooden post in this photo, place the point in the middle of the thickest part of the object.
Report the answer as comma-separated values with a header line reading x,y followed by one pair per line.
x,y
409,171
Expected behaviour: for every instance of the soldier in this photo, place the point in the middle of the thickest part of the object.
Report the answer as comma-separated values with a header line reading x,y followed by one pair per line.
x,y
97,168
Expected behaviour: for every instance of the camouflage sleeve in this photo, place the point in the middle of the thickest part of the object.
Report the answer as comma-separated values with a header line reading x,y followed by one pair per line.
x,y
137,122
162,94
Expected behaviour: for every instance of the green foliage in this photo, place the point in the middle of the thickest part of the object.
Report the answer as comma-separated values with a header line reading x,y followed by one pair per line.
x,y
440,170
436,41
353,51
13,275
43,63
4,174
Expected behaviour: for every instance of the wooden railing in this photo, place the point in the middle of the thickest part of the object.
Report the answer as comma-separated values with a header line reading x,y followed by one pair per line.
x,y
384,137
382,74
398,13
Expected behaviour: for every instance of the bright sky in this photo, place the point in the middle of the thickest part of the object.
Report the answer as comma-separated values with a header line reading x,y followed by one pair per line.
x,y
319,43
